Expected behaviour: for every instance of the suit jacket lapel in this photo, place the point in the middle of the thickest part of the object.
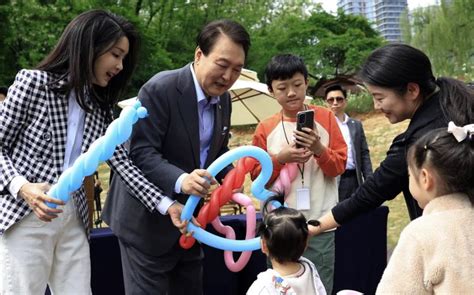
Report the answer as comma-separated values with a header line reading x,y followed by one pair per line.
x,y
353,131
187,104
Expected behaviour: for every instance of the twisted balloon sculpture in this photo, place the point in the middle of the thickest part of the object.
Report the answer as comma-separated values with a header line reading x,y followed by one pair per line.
x,y
229,233
287,175
235,181
100,150
221,196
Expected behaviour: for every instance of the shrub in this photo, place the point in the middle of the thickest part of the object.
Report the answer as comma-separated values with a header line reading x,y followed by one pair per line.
x,y
360,103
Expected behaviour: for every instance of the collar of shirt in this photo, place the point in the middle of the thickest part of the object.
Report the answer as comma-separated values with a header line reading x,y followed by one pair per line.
x,y
199,93
346,119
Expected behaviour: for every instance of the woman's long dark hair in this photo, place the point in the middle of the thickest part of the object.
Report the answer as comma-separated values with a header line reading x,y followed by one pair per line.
x,y
88,36
395,65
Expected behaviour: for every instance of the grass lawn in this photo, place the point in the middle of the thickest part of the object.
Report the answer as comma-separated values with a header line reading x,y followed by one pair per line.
x,y
379,133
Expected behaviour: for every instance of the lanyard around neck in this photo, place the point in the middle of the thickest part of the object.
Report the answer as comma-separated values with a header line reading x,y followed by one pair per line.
x,y
300,168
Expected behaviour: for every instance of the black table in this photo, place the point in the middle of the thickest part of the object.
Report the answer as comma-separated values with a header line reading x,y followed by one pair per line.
x,y
361,253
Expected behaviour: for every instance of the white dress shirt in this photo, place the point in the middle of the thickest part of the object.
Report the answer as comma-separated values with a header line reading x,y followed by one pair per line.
x,y
350,164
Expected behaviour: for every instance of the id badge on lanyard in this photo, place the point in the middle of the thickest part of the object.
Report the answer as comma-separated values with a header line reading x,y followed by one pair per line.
x,y
303,198
303,195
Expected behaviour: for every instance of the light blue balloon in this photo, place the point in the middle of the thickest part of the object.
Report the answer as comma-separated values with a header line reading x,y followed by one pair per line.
x,y
258,190
100,150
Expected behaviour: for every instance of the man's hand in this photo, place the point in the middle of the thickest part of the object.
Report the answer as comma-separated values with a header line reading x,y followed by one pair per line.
x,y
34,194
292,154
175,214
198,183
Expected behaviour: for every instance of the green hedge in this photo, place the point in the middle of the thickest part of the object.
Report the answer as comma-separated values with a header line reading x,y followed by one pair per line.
x,y
360,103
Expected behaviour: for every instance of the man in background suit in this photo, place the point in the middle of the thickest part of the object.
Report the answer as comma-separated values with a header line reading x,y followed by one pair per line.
x,y
186,130
358,165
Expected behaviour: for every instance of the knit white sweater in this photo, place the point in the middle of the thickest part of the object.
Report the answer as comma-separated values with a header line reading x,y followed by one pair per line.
x,y
435,253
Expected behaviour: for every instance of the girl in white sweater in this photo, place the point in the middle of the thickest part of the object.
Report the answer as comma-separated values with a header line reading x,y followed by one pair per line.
x,y
435,253
284,237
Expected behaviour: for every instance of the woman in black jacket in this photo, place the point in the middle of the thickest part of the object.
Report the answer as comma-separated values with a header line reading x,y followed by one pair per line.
x,y
402,84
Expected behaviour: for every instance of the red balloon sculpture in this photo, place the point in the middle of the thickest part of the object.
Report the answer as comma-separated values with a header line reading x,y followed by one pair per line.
x,y
219,197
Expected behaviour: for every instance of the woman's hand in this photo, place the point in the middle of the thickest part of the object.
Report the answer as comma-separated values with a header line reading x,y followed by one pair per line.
x,y
314,230
326,222
175,211
35,195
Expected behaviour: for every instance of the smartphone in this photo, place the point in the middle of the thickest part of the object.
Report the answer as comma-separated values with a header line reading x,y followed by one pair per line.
x,y
304,119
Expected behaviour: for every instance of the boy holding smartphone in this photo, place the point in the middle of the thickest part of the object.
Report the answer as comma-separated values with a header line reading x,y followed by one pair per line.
x,y
320,156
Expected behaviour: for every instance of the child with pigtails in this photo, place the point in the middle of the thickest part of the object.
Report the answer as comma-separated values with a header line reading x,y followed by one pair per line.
x,y
435,251
284,238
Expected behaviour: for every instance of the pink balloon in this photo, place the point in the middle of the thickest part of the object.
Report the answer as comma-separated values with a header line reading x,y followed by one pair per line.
x,y
287,175
230,234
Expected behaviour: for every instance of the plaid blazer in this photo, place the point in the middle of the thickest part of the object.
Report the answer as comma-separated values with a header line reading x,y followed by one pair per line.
x,y
33,127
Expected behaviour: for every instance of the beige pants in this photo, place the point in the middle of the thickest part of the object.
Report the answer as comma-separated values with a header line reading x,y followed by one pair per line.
x,y
34,253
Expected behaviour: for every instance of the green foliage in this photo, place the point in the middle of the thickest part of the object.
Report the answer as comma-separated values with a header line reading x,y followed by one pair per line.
x,y
31,30
359,103
445,34
318,102
329,44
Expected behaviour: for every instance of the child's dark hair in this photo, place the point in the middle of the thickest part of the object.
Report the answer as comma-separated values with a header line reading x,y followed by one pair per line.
x,y
335,87
88,36
284,230
452,161
284,66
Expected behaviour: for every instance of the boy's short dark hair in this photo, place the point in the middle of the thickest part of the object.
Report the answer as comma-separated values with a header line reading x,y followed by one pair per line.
x,y
285,232
3,90
284,66
335,87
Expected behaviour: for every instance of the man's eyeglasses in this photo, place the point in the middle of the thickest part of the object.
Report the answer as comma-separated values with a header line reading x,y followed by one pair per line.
x,y
330,100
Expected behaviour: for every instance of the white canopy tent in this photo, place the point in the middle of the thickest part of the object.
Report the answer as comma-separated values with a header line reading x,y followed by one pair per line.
x,y
251,102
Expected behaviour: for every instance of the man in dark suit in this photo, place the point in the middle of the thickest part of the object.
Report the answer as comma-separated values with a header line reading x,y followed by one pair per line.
x,y
358,165
186,130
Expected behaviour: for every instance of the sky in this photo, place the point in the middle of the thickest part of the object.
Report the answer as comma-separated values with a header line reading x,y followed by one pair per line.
x,y
331,5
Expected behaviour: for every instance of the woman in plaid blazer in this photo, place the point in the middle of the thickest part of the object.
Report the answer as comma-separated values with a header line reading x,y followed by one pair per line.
x,y
51,115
